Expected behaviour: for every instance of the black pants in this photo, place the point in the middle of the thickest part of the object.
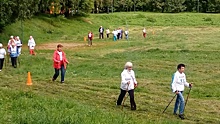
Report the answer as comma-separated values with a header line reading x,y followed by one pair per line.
x,y
1,63
14,61
101,36
107,35
118,36
122,95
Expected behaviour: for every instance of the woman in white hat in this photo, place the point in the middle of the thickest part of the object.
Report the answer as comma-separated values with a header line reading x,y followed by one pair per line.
x,y
2,56
31,45
128,84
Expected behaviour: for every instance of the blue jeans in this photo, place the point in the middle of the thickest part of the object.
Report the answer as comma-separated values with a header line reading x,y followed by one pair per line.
x,y
63,71
179,103
115,38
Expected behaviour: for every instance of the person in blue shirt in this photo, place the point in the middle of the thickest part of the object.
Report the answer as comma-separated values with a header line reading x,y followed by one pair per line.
x,y
13,52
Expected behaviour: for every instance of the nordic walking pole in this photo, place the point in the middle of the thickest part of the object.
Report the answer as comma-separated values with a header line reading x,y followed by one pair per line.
x,y
124,98
187,98
169,103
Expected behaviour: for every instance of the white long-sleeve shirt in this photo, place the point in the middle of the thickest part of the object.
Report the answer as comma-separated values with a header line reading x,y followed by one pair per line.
x,y
31,43
2,53
18,43
179,81
127,76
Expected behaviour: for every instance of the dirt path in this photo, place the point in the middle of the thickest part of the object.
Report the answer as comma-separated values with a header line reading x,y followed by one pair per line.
x,y
52,46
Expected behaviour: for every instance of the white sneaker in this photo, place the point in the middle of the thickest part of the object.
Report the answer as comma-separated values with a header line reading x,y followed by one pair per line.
x,y
0,70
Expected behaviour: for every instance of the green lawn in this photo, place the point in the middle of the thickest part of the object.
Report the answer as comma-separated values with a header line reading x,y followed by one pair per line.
x,y
93,75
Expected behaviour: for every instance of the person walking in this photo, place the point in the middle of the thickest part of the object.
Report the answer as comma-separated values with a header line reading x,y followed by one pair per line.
x,y
144,32
13,52
59,63
31,45
90,37
126,34
101,31
115,33
107,32
2,56
19,44
177,84
128,84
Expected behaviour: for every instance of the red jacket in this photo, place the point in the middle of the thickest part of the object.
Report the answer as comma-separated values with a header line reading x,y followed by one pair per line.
x,y
56,60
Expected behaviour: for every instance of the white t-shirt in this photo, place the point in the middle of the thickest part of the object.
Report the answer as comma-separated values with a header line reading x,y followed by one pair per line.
x,y
2,53
127,76
61,56
9,42
90,34
101,30
126,32
31,43
115,33
179,81
107,31
144,31
18,42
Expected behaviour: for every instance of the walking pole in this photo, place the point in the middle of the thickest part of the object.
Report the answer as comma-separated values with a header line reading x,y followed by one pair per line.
x,y
169,103
124,98
187,98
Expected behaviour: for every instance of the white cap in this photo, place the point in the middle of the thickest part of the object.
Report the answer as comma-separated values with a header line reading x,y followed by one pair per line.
x,y
1,45
11,36
18,37
128,64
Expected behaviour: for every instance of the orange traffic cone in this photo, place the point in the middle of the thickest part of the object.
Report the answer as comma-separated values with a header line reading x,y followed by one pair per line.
x,y
29,81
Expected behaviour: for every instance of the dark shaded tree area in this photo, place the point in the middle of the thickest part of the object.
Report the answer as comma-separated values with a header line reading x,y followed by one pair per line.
x,y
12,10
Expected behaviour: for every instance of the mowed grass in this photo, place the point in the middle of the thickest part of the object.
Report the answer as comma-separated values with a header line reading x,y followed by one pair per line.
x,y
93,75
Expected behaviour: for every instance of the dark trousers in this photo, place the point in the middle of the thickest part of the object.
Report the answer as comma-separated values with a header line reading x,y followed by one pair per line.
x,y
118,36
101,36
90,41
122,95
107,35
1,63
14,61
56,74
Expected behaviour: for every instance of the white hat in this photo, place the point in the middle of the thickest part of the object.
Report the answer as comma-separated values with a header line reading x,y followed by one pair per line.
x,y
18,37
11,37
128,64
1,45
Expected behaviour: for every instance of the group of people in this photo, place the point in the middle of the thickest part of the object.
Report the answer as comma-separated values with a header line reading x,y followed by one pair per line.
x,y
14,48
117,34
129,83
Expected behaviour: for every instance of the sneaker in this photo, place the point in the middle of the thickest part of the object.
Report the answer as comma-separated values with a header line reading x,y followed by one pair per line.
x,y
53,79
0,70
62,82
181,116
174,113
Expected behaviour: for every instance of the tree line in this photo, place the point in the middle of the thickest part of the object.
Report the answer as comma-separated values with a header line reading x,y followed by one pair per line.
x,y
12,10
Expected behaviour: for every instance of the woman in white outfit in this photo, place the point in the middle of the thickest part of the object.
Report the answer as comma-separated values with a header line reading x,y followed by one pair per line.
x,y
2,56
128,84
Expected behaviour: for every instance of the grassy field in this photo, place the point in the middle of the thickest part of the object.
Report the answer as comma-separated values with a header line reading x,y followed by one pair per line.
x,y
93,75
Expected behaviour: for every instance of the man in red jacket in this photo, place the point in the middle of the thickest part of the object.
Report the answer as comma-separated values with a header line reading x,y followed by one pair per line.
x,y
59,63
